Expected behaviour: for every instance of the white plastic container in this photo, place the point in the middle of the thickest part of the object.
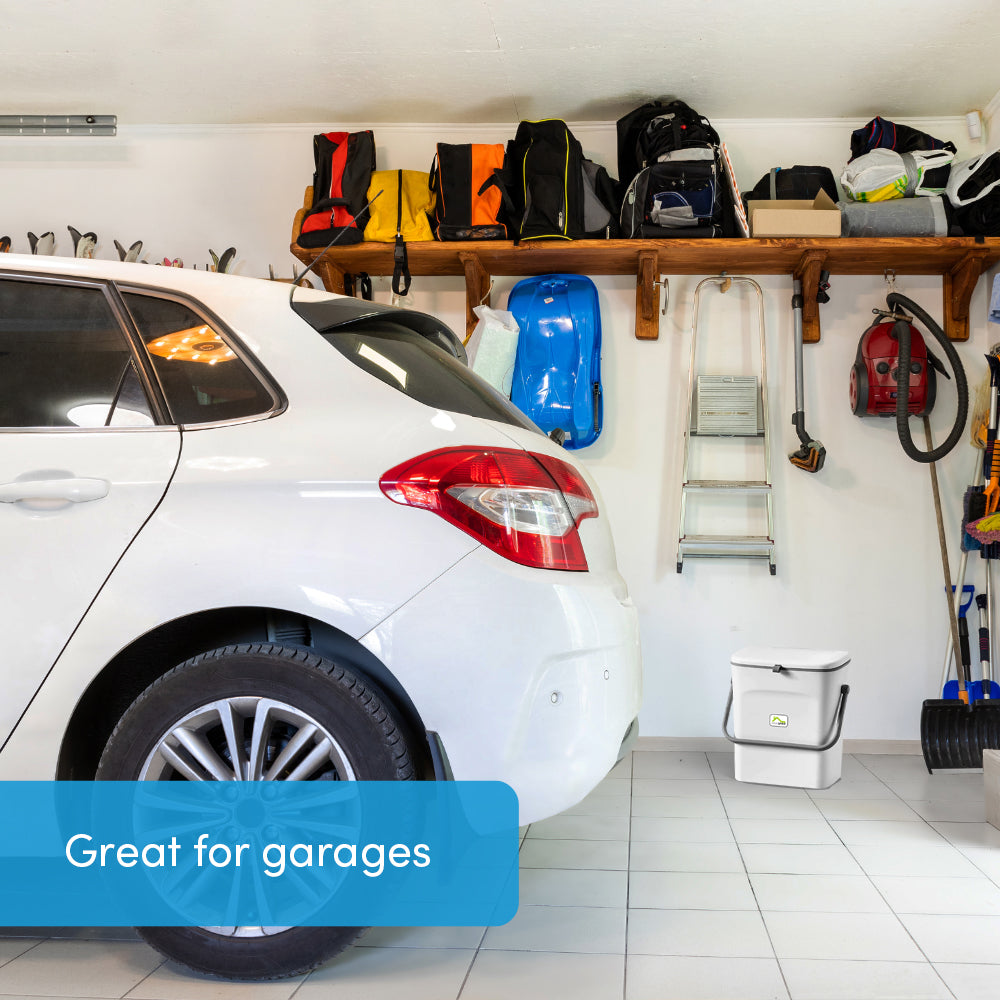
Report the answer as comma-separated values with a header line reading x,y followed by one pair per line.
x,y
788,708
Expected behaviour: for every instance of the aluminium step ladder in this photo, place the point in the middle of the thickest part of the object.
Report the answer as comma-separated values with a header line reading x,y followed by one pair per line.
x,y
727,406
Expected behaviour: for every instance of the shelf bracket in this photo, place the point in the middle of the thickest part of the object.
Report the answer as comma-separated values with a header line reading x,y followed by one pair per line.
x,y
958,285
807,271
477,288
647,315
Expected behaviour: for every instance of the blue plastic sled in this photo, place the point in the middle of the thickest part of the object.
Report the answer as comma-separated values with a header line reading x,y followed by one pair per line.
x,y
557,371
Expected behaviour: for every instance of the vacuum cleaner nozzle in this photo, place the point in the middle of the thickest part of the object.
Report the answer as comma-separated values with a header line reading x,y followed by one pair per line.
x,y
810,457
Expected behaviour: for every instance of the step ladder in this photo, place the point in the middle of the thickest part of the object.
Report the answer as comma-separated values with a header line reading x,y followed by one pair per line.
x,y
734,407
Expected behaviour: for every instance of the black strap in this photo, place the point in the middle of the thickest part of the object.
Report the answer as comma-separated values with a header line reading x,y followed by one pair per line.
x,y
496,180
364,282
400,268
325,203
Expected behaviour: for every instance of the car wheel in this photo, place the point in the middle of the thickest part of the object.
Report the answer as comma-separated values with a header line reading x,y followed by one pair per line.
x,y
256,712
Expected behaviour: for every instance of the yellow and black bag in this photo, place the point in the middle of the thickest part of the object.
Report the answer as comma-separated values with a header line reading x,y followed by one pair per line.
x,y
402,213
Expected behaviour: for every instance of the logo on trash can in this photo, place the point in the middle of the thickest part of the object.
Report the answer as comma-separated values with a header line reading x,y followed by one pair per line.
x,y
779,721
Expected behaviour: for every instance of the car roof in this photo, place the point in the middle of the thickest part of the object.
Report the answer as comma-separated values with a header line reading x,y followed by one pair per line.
x,y
322,310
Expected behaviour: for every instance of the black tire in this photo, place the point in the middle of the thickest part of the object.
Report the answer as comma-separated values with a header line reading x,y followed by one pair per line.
x,y
369,731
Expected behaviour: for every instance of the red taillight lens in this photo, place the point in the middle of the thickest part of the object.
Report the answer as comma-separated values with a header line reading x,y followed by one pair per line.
x,y
522,505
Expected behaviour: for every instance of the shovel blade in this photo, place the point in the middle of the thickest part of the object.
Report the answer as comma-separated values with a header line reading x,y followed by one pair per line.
x,y
954,735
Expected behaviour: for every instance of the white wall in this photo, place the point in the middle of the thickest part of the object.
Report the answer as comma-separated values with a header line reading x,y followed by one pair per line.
x,y
858,560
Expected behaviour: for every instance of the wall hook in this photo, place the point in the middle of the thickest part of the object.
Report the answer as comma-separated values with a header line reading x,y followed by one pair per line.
x,y
664,283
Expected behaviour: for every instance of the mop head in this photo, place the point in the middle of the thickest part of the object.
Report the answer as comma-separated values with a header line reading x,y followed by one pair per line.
x,y
986,530
810,457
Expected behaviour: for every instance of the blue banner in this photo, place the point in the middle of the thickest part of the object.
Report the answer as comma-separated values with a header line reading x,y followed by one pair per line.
x,y
257,853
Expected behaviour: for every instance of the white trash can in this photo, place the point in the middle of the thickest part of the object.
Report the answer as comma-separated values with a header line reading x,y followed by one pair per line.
x,y
788,711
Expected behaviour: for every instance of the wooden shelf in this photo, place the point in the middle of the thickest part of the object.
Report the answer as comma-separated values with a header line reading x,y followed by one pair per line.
x,y
959,260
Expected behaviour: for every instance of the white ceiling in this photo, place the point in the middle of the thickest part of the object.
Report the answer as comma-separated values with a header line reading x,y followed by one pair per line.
x,y
258,61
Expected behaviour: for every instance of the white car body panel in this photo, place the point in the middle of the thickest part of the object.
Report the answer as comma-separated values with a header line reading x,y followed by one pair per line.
x,y
529,676
58,553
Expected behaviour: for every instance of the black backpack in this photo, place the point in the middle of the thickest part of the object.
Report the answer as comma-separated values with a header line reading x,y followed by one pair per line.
x,y
551,190
344,165
673,181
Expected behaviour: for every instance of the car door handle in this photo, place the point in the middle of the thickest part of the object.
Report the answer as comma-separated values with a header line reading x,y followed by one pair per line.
x,y
68,490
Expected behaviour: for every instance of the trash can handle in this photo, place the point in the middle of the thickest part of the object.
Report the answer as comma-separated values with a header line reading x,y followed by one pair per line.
x,y
839,725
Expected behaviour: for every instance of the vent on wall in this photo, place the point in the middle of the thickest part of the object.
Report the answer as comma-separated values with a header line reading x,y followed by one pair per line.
x,y
58,125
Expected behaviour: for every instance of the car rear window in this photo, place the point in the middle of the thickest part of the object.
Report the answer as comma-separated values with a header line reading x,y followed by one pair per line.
x,y
412,364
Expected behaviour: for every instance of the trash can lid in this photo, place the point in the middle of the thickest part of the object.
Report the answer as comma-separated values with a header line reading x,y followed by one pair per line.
x,y
791,658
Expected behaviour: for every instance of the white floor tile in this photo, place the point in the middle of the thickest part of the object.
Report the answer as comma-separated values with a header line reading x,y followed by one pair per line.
x,y
600,804
678,977
934,894
765,807
852,769
383,974
851,936
523,975
860,788
878,809
623,769
942,785
664,830
12,947
728,789
722,764
959,810
715,933
670,764
79,969
954,938
810,979
783,831
584,929
966,835
679,857
970,982
422,937
581,828
614,786
822,893
565,887
173,982
689,891
888,766
607,855
686,807
878,831
799,859
913,859
673,786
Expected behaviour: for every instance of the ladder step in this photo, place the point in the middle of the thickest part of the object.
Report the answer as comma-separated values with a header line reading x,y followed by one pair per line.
x,y
728,485
725,545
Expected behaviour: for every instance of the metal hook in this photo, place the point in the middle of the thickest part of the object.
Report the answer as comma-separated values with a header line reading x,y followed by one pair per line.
x,y
664,283
890,278
489,292
726,284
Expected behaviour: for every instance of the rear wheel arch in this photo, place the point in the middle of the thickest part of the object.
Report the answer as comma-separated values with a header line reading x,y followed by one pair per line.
x,y
153,654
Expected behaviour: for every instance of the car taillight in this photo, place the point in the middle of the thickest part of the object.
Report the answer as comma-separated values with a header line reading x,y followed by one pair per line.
x,y
522,505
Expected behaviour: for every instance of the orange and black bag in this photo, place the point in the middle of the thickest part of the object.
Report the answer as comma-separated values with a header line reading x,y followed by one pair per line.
x,y
344,165
467,202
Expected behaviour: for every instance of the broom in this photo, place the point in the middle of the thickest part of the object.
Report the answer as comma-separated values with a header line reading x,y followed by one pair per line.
x,y
982,522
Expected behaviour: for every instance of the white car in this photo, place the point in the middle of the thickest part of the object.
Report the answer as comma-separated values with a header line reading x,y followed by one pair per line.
x,y
252,535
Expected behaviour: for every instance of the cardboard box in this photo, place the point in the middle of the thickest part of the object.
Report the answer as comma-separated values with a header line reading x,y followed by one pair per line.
x,y
819,217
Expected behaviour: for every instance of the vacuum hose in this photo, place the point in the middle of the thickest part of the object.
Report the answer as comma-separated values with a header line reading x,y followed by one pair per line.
x,y
902,332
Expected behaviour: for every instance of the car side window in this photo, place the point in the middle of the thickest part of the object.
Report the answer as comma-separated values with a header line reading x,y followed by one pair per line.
x,y
64,358
202,377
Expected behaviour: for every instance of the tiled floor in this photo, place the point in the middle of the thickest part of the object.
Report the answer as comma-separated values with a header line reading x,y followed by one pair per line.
x,y
672,880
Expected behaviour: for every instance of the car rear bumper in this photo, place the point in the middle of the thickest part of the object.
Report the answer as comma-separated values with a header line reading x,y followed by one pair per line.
x,y
536,685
